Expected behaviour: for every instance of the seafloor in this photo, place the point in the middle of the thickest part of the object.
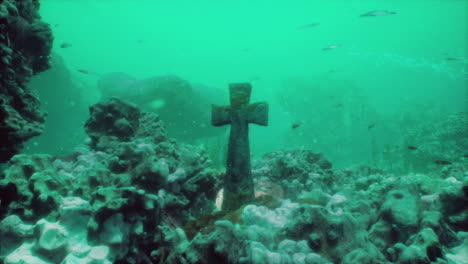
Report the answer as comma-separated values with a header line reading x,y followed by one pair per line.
x,y
132,194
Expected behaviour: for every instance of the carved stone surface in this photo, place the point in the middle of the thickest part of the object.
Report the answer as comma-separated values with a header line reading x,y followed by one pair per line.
x,y
238,182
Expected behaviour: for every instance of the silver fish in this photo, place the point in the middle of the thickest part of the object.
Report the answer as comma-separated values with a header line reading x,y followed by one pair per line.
x,y
331,47
378,13
88,72
308,26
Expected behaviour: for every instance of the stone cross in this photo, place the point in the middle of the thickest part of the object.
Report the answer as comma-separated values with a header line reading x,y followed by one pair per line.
x,y
238,181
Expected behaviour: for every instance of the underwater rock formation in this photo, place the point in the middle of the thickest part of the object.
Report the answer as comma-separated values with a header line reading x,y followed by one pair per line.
x,y
25,45
358,215
63,241
287,174
113,118
132,195
132,184
180,104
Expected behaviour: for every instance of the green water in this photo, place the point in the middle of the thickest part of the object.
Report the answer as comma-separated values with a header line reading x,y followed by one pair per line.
x,y
390,71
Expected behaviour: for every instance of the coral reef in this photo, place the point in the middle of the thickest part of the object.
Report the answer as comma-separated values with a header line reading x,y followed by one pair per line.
x,y
25,44
131,184
302,167
358,215
63,241
132,194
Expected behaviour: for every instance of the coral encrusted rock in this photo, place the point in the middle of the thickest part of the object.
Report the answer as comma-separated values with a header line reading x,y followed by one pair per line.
x,y
107,201
25,45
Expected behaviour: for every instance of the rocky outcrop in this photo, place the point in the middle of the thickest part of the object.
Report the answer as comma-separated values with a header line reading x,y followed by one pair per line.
x,y
356,215
290,174
25,45
62,241
127,185
183,106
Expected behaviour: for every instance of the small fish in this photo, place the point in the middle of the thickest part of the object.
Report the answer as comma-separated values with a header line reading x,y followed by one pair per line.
x,y
308,26
338,105
296,125
65,45
455,58
442,162
83,71
369,127
378,13
412,147
88,72
244,50
331,47
465,156
140,41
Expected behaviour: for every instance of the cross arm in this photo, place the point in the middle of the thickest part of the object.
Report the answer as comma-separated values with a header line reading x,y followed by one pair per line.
x,y
220,115
258,113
